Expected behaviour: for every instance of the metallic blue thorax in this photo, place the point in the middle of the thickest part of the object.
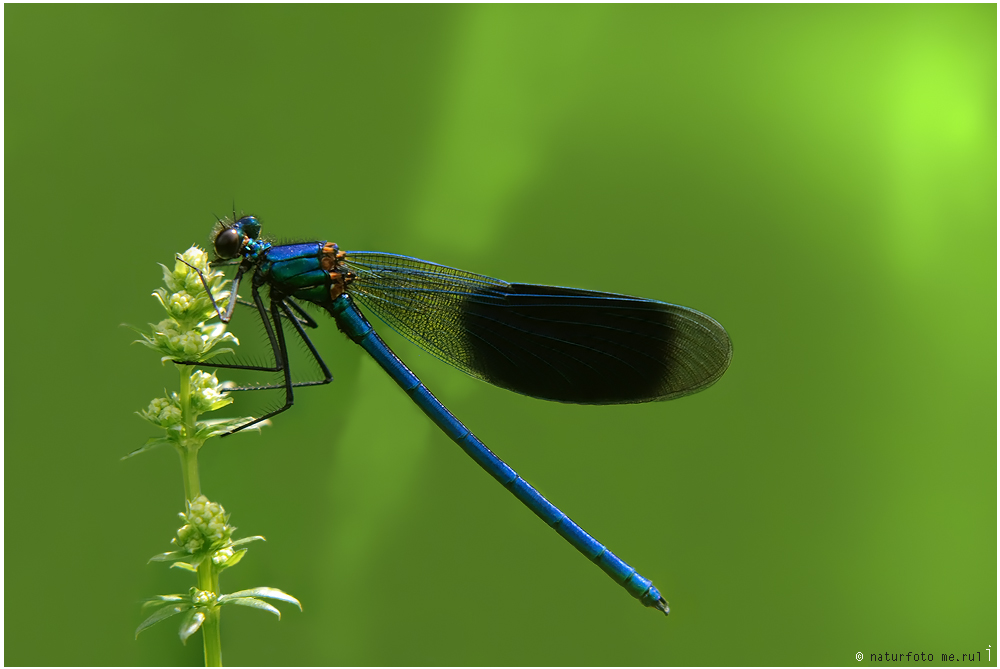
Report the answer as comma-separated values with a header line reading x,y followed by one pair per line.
x,y
311,272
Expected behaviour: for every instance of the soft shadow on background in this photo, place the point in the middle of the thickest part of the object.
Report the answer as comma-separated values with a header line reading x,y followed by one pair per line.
x,y
821,180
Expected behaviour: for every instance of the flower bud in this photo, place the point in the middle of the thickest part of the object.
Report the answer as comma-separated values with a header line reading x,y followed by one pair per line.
x,y
162,412
206,525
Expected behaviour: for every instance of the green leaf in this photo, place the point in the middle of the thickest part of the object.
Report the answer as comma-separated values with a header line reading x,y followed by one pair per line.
x,y
218,351
270,593
215,427
192,621
148,446
191,561
169,557
162,599
215,406
185,566
162,614
133,329
253,603
233,561
246,540
168,274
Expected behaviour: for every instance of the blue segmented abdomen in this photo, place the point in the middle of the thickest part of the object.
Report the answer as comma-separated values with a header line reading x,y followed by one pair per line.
x,y
353,323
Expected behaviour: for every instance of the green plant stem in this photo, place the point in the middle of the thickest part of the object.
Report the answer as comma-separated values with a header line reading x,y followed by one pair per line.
x,y
189,447
208,580
187,416
208,575
189,469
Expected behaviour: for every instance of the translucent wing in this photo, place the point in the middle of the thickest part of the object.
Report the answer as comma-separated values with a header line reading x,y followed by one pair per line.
x,y
560,344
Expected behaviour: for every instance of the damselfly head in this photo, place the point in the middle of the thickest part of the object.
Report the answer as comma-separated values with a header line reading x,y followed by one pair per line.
x,y
230,238
228,243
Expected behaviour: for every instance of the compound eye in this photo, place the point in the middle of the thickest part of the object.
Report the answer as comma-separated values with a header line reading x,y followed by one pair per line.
x,y
227,244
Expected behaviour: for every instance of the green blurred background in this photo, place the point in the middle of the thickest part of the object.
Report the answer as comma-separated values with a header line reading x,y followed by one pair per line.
x,y
820,179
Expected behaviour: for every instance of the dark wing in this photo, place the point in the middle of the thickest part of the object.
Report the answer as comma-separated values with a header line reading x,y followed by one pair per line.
x,y
559,344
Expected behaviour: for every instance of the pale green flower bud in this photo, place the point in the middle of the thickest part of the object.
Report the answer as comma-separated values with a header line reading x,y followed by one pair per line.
x,y
202,597
162,412
181,277
184,297
188,279
223,555
168,328
185,337
189,538
174,342
179,303
205,393
206,525
196,257
190,343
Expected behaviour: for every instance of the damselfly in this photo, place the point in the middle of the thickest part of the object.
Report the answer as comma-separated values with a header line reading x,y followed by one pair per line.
x,y
559,344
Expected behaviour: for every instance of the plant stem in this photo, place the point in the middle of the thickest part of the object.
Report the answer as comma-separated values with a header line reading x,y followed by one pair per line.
x,y
189,469
208,580
190,447
187,418
208,575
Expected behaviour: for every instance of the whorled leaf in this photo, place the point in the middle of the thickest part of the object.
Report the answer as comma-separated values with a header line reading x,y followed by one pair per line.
x,y
150,444
215,427
171,556
185,567
162,614
181,559
269,593
163,599
253,603
175,342
192,621
232,561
